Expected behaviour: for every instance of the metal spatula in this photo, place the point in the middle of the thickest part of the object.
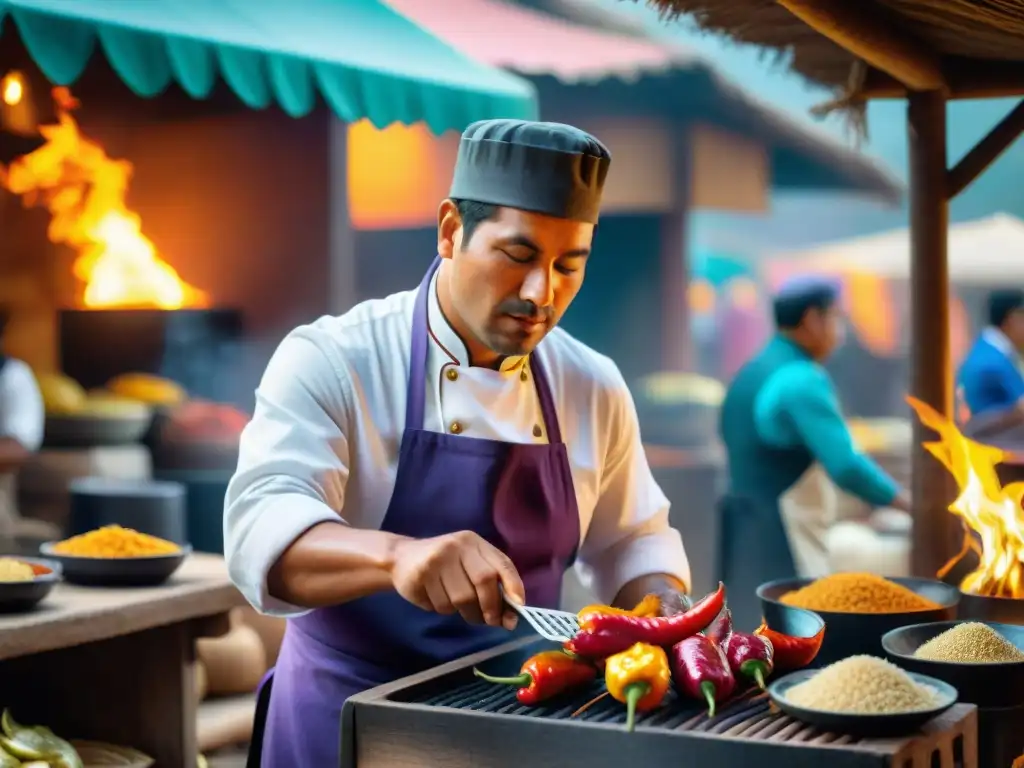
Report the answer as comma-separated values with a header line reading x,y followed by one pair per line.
x,y
556,626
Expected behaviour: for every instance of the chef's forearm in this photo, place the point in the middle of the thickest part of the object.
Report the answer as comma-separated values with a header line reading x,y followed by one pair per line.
x,y
652,584
12,455
332,563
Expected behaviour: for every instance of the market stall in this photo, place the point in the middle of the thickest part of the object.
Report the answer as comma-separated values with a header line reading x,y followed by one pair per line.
x,y
115,664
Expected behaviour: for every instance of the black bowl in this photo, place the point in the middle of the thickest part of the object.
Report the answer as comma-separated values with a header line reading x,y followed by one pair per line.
x,y
999,684
118,571
900,724
850,634
18,596
1005,610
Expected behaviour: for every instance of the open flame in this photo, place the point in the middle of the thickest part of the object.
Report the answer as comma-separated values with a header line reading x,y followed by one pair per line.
x,y
85,192
991,514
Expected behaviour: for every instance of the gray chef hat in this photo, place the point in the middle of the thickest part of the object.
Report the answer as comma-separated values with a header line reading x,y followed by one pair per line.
x,y
548,168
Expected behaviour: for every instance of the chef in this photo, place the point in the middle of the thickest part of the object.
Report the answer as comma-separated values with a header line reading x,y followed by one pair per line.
x,y
22,420
780,421
412,458
991,377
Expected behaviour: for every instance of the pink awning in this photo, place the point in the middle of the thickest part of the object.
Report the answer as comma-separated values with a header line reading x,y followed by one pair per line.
x,y
533,43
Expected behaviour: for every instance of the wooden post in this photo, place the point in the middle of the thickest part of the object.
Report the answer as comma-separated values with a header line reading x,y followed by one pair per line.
x,y
931,377
676,335
342,284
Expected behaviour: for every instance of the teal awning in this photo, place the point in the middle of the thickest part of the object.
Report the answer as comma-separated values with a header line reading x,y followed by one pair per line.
x,y
365,59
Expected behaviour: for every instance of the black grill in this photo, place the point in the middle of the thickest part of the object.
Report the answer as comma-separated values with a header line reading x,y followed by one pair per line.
x,y
750,715
447,717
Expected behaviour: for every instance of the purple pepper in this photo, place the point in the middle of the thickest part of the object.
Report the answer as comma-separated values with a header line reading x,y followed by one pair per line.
x,y
701,671
750,656
720,629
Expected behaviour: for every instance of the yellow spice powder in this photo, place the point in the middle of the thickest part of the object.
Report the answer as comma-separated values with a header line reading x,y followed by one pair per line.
x,y
113,541
857,593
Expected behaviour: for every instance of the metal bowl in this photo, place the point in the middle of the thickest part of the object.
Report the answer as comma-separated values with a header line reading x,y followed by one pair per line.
x,y
999,684
849,634
146,571
895,724
18,596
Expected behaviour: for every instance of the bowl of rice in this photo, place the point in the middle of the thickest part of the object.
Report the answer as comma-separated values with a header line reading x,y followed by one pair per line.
x,y
862,696
25,581
983,660
858,608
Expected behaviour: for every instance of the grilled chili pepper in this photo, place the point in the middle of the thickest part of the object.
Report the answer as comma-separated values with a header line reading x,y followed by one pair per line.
x,y
749,656
720,628
649,606
546,675
598,644
791,652
665,631
639,677
701,671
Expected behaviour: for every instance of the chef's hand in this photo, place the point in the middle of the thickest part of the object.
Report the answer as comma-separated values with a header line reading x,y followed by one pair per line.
x,y
458,572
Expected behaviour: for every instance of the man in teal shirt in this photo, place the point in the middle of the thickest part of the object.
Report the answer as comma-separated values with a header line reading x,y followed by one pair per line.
x,y
780,418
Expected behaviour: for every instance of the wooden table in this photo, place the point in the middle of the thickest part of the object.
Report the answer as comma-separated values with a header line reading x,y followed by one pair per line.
x,y
116,664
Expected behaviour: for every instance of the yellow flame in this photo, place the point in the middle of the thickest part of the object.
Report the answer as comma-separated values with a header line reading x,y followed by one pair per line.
x,y
85,192
991,514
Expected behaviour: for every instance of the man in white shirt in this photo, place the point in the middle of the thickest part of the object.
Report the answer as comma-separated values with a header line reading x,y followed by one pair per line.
x,y
411,459
22,420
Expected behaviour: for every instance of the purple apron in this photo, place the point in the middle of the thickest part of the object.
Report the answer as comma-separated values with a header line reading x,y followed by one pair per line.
x,y
519,497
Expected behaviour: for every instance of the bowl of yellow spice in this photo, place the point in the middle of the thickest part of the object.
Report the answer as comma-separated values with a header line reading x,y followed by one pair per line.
x,y
25,581
113,556
984,660
858,608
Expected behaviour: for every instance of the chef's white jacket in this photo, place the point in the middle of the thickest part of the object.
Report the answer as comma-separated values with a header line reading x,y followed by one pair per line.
x,y
330,410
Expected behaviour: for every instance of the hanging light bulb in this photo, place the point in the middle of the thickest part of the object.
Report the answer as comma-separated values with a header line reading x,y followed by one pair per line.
x,y
12,88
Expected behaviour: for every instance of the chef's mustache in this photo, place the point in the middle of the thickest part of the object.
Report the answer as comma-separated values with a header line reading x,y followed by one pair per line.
x,y
525,308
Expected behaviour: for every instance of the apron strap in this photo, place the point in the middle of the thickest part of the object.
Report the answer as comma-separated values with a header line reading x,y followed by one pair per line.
x,y
416,392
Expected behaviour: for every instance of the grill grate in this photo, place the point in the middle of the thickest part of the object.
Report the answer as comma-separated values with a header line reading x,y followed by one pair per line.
x,y
749,716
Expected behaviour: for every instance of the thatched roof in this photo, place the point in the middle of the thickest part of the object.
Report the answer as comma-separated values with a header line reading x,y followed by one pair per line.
x,y
956,31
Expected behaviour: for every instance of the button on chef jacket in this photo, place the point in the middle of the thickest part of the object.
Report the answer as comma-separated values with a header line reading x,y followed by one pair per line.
x,y
324,440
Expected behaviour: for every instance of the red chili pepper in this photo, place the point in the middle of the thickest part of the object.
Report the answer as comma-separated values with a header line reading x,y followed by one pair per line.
x,y
545,676
749,656
791,652
701,671
721,628
598,644
665,631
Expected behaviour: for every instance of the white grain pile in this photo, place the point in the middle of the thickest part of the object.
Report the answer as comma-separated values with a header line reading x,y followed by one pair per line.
x,y
969,642
863,685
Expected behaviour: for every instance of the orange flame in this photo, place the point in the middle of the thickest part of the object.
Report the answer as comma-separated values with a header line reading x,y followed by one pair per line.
x,y
991,514
84,191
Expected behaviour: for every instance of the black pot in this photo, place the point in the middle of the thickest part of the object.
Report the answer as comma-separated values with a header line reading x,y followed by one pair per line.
x,y
149,506
850,634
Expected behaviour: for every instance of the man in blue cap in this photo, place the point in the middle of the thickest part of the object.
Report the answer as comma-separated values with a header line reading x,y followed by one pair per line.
x,y
781,418
991,377
413,461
